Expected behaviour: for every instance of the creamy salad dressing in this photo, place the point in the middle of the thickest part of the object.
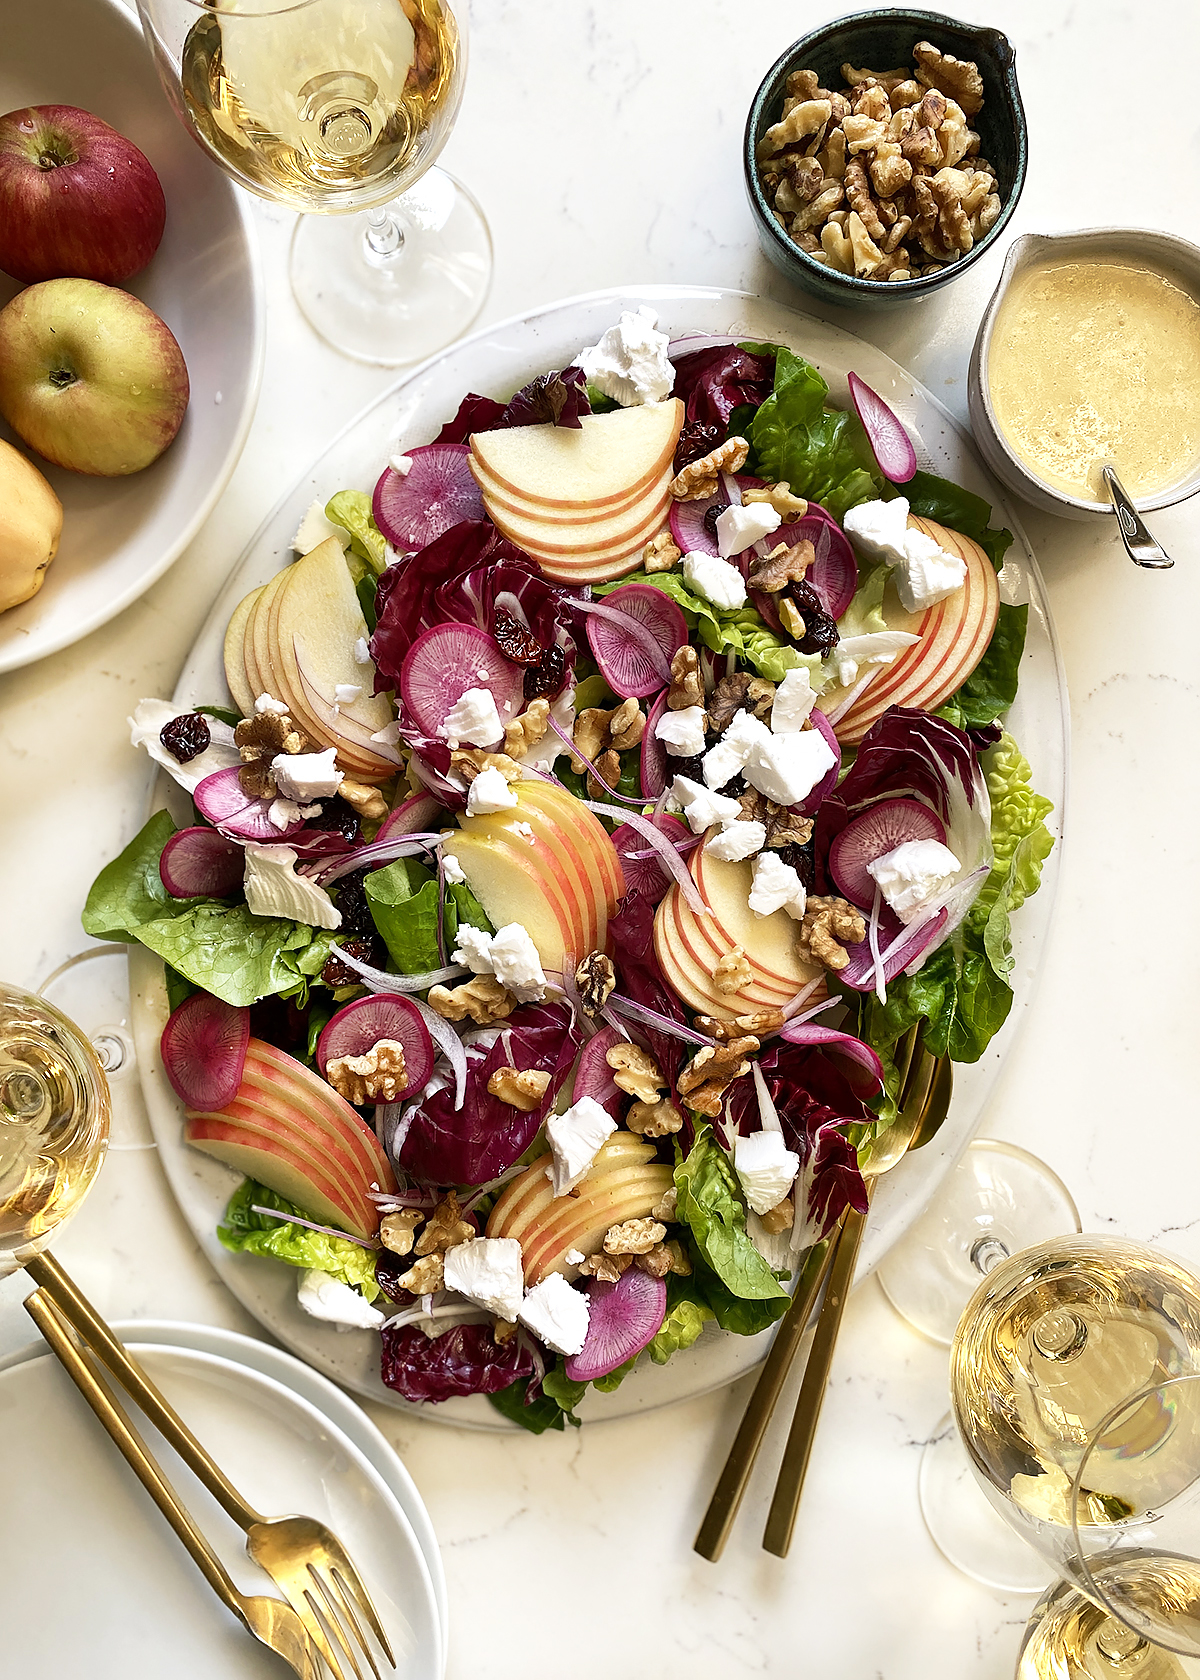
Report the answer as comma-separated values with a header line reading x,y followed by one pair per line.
x,y
1095,361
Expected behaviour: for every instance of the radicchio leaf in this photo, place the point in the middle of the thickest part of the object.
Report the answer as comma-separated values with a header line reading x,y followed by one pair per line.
x,y
639,977
464,1360
557,399
713,382
475,414
443,1145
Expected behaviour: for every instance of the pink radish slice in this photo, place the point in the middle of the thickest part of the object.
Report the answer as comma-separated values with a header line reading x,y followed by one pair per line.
x,y
201,863
655,771
686,520
635,657
898,947
834,572
878,830
647,874
204,1051
443,663
624,1317
829,781
417,815
885,432
436,493
593,1076
219,798
361,1024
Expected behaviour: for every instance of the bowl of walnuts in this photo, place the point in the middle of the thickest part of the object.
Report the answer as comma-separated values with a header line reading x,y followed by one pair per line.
x,y
884,153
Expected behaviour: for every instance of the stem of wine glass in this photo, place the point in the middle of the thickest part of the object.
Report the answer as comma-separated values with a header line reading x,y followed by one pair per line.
x,y
987,1253
1059,1335
383,237
1118,1643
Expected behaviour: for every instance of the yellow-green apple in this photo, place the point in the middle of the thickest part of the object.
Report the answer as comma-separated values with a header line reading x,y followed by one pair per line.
x,y
604,460
585,536
31,519
237,677
76,198
90,377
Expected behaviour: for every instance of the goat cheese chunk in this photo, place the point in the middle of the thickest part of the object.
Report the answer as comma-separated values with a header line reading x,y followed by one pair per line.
x,y
315,528
715,580
766,1168
682,732
575,1137
345,694
328,1298
474,719
516,964
927,574
776,886
879,530
739,528
152,716
488,1271
630,364
701,806
362,651
274,889
729,755
786,768
452,870
912,875
557,1314
489,792
307,776
736,841
794,700
268,703
878,648
473,947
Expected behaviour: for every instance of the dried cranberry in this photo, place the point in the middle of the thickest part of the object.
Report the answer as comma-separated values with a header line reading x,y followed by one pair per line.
x,y
713,514
802,860
821,634
351,899
808,602
338,817
693,768
735,787
696,438
185,737
389,1269
548,675
516,641
337,973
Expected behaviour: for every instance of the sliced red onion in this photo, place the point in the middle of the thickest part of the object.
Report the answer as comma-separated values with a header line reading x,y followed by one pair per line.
x,y
817,1009
378,852
697,341
675,865
623,674
395,1201
841,1044
793,1005
483,1190
733,490
564,737
416,815
843,706
809,806
311,1225
452,1313
377,980
890,442
877,973
451,1046
611,1021
653,759
651,1018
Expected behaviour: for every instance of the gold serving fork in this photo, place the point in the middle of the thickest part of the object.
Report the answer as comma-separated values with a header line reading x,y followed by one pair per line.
x,y
274,1623
303,1557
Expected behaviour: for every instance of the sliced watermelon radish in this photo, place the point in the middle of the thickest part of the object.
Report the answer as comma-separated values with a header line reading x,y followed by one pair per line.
x,y
435,493
417,815
686,520
891,444
834,571
361,1024
201,863
878,830
647,874
624,1317
634,634
593,1076
655,772
220,800
446,661
204,1051
829,781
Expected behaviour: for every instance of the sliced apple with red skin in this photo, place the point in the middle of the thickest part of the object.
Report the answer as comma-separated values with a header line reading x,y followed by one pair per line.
x,y
550,856
691,977
271,1069
953,633
575,514
236,678
603,460
607,571
585,832
623,1182
586,535
519,880
275,1133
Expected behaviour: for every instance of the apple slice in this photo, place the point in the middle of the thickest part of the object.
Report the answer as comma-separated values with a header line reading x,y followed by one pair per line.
x,y
584,834
264,1158
593,556
954,635
269,1069
526,1197
236,678
588,536
278,1128
491,856
691,976
602,460
512,502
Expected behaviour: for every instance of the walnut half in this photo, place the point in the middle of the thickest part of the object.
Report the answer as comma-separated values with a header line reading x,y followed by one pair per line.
x,y
519,1090
379,1076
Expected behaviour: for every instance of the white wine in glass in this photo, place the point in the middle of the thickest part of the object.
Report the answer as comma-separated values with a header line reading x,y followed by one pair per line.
x,y
54,1123
335,106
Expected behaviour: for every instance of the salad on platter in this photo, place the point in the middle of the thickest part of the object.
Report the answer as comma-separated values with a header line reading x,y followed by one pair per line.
x,y
600,802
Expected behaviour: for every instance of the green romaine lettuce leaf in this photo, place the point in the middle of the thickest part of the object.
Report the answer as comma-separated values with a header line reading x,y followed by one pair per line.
x,y
541,1414
931,497
687,1314
245,1232
351,509
557,1385
822,452
864,615
992,686
129,890
614,1379
1021,843
710,1203
403,899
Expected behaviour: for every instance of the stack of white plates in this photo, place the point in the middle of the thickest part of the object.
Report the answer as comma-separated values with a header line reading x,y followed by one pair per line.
x,y
92,1581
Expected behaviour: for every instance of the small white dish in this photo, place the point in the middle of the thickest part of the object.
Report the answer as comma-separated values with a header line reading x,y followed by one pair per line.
x,y
120,534
74,1513
1143,247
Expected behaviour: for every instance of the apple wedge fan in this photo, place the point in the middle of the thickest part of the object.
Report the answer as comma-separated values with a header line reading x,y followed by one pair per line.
x,y
601,798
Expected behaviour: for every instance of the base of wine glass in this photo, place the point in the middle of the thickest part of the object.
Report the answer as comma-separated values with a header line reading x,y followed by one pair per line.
x,y
1071,1638
963,1526
998,1200
399,305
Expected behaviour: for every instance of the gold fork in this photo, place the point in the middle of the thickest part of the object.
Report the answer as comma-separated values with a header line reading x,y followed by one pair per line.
x,y
303,1557
276,1624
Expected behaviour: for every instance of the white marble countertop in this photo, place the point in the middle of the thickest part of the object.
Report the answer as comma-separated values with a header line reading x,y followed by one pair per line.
x,y
603,144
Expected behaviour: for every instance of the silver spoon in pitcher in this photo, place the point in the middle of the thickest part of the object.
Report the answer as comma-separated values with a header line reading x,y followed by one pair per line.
x,y
1139,544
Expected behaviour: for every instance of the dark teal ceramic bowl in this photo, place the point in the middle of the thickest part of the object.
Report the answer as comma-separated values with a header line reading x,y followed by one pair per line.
x,y
880,41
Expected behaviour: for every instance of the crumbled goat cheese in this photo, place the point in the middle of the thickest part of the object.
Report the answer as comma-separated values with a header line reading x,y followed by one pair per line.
x,y
488,1271
715,580
509,954
630,363
878,529
489,792
575,1137
878,648
345,694
473,947
574,1257
315,528
362,651
328,1298
282,813
150,718
737,840
388,736
786,768
682,732
927,574
401,464
557,1314
794,700
274,889
474,719
701,806
776,887
307,776
729,755
913,874
452,870
268,703
739,528
766,1167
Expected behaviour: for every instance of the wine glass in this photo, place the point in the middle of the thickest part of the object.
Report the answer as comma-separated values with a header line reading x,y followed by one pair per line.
x,y
1129,1605
54,1123
335,106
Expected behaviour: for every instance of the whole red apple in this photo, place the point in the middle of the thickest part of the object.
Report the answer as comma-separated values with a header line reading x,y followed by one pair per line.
x,y
76,198
90,377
